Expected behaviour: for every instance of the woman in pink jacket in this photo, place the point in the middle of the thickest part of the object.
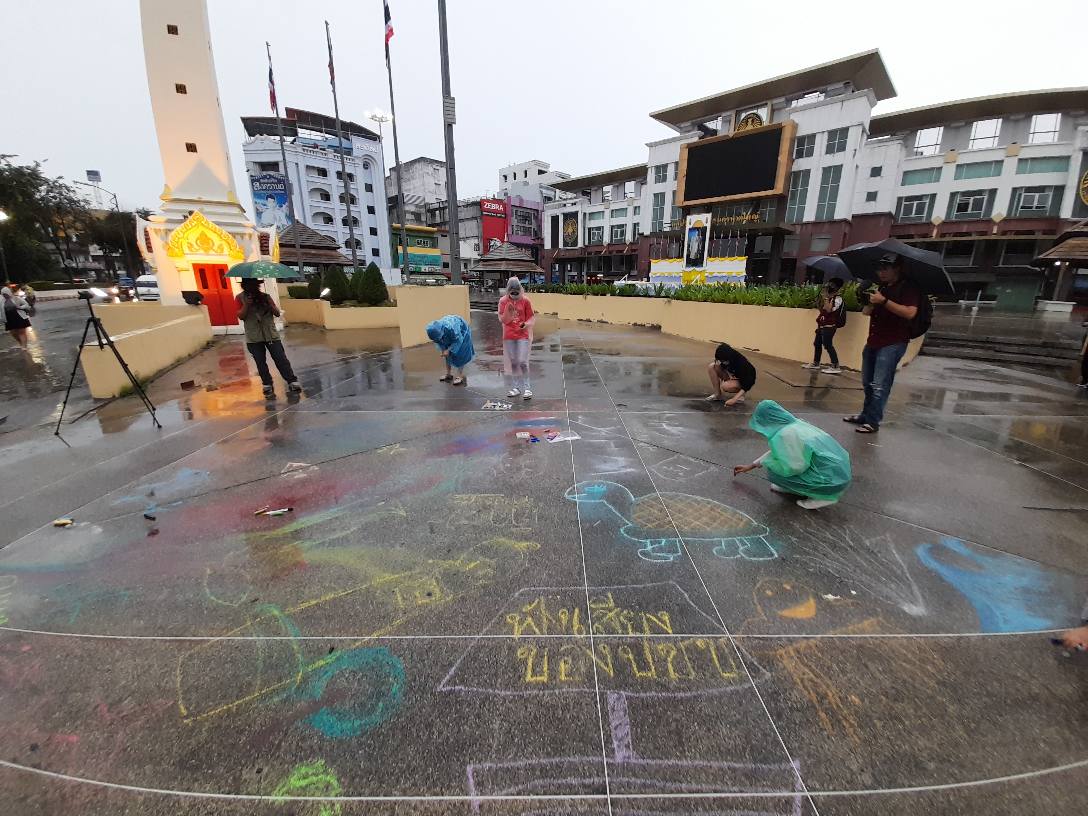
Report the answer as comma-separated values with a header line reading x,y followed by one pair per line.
x,y
516,314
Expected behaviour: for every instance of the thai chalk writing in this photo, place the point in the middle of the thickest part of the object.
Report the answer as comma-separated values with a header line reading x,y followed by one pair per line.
x,y
491,510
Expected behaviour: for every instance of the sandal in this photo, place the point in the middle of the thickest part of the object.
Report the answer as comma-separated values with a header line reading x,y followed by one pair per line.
x,y
447,378
865,427
460,380
853,420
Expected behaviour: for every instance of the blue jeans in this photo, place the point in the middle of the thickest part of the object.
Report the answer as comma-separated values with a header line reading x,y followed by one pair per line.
x,y
877,375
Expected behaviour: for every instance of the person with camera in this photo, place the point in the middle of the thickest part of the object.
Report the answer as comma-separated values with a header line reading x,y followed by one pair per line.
x,y
891,307
258,311
830,318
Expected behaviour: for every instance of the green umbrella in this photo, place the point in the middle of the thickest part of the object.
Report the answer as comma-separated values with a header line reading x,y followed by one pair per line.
x,y
261,269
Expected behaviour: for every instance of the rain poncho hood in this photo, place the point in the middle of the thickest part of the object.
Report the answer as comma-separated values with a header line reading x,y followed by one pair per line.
x,y
451,333
803,459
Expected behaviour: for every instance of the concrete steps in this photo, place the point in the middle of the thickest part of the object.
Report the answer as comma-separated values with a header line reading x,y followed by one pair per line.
x,y
1051,353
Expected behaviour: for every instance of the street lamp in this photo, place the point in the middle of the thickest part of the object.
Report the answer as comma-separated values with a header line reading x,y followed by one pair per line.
x,y
3,258
381,117
120,219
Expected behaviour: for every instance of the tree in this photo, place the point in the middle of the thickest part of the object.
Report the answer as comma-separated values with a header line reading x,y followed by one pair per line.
x,y
337,284
114,233
370,287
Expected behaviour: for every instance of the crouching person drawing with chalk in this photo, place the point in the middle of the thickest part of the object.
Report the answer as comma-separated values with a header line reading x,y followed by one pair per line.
x,y
803,460
452,336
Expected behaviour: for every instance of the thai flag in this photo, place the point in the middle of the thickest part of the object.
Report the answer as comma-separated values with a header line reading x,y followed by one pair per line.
x,y
388,24
272,90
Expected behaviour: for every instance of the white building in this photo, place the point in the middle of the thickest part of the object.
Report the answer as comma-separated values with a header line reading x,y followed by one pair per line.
x,y
313,167
424,183
532,180
987,182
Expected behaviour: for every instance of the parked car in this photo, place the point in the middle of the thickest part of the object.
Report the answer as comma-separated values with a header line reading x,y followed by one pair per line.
x,y
147,287
80,282
126,280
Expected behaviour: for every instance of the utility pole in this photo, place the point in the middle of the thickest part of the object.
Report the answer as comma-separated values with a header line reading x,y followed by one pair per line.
x,y
449,118
283,156
396,159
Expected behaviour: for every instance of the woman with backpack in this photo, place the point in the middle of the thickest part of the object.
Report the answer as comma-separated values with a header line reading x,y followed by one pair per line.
x,y
16,315
831,317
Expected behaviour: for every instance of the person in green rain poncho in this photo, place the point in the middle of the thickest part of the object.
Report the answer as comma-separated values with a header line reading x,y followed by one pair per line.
x,y
803,460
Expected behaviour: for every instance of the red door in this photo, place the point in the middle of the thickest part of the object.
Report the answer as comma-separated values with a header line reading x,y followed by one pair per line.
x,y
211,281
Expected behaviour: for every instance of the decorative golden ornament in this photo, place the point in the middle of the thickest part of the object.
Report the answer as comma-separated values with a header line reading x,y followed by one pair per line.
x,y
199,236
749,121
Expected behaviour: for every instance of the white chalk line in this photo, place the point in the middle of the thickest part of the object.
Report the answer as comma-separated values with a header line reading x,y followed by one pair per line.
x,y
501,636
790,794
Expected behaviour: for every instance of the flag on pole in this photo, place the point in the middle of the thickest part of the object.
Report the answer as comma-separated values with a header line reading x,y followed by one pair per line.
x,y
388,24
272,89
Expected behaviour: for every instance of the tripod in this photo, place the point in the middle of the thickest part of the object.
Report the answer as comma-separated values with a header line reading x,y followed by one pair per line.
x,y
104,340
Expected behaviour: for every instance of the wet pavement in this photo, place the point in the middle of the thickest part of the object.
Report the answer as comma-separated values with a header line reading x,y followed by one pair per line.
x,y
453,620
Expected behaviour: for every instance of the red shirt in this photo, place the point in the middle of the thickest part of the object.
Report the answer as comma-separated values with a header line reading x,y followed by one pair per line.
x,y
512,330
885,328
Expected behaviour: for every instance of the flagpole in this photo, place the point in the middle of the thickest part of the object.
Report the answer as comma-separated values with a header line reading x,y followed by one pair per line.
x,y
283,155
343,163
396,158
448,118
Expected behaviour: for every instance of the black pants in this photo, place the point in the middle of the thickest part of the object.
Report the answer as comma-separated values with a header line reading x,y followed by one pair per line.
x,y
824,337
279,357
1084,367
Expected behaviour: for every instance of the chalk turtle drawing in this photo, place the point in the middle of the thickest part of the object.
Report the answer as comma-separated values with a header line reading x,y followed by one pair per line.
x,y
656,519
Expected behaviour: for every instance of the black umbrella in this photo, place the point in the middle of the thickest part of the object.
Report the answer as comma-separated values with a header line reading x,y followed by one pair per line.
x,y
919,265
831,265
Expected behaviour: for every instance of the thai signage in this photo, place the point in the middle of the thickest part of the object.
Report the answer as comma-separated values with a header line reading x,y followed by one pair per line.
x,y
493,223
270,199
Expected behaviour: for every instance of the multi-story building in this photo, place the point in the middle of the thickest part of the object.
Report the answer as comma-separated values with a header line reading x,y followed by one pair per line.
x,y
424,183
987,182
525,188
316,178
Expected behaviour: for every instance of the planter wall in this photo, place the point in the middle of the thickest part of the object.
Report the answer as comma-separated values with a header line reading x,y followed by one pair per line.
x,y
304,311
118,318
419,305
359,317
773,330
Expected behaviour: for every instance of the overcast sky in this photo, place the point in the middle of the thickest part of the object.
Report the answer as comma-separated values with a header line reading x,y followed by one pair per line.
x,y
566,81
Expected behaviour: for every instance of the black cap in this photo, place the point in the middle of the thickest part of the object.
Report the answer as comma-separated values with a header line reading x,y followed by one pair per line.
x,y
887,259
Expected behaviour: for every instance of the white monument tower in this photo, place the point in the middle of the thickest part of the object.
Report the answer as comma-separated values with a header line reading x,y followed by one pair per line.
x,y
201,230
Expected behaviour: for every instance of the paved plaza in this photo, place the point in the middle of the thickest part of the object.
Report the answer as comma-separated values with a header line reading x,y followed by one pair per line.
x,y
451,619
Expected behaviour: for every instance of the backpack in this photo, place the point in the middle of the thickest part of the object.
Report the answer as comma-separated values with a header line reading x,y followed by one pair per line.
x,y
923,318
840,315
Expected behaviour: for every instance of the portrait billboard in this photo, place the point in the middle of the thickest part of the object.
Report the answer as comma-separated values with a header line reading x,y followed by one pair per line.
x,y
270,200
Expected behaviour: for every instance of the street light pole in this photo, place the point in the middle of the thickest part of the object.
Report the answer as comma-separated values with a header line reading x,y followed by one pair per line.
x,y
381,117
3,258
449,117
120,221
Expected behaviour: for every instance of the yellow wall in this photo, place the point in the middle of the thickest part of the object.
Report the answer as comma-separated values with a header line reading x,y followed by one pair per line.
x,y
419,305
147,351
359,317
304,311
118,318
773,330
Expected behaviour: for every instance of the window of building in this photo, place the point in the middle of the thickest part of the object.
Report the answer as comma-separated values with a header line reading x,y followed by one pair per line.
x,y
804,146
927,142
798,194
915,209
987,169
676,214
618,233
970,205
1017,253
657,214
791,245
959,253
1044,128
807,99
984,133
829,192
320,195
368,187
606,192
870,196
820,243
925,175
619,212
370,209
504,178
1043,164
268,167
661,173
358,244
323,218
836,141
190,147
1035,201
179,88
876,172
594,235
375,253
595,216
637,210
171,29
352,198
373,230
675,170
340,176
320,172
636,230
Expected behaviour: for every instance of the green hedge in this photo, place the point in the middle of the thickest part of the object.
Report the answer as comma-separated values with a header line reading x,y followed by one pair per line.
x,y
795,297
300,292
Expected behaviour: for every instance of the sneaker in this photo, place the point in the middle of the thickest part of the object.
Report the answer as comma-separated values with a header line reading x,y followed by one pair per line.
x,y
294,387
1082,385
269,392
778,489
832,370
527,394
813,504
811,366
513,392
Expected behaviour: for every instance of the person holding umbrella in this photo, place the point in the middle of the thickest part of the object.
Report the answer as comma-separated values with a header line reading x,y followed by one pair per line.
x,y
891,309
258,311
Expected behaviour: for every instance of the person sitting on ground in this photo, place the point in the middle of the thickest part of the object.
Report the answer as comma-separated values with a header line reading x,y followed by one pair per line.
x,y
803,460
256,310
831,315
452,336
730,372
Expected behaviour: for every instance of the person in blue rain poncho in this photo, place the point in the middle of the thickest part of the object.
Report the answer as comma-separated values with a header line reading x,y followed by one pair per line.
x,y
803,460
454,339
